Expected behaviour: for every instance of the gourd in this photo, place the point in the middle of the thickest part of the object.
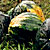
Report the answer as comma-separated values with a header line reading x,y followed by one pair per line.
x,y
43,35
25,25
29,6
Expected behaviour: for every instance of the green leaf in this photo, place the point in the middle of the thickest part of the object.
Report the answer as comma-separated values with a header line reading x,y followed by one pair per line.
x,y
19,47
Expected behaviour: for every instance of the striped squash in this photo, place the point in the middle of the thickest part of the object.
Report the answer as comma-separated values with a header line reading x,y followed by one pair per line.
x,y
25,25
29,6
43,35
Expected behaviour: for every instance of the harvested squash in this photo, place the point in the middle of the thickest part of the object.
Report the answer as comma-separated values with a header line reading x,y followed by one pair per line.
x,y
29,6
25,25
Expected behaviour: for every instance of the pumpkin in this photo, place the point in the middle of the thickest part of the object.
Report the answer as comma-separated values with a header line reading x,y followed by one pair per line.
x,y
43,35
29,6
25,25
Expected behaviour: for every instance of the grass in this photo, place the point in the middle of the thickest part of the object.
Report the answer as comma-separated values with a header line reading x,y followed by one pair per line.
x,y
9,47
45,5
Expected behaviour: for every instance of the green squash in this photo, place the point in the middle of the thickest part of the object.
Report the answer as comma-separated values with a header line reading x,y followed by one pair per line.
x,y
25,25
43,35
29,6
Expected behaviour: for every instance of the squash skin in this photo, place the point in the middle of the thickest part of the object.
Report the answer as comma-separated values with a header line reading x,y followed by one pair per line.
x,y
25,26
29,6
43,35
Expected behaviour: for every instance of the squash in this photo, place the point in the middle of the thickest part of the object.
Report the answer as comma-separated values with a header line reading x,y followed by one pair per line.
x,y
25,25
29,6
43,35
